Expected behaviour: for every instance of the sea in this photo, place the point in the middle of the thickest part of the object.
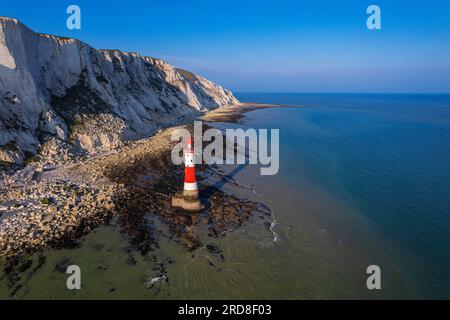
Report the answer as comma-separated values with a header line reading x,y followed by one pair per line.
x,y
363,181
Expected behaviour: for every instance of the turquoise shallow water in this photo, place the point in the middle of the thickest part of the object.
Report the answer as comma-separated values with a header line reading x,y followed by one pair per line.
x,y
387,157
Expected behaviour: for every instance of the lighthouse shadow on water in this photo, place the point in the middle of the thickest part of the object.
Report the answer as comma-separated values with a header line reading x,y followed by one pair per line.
x,y
210,189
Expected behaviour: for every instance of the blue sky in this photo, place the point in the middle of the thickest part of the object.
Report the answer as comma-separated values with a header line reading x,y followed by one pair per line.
x,y
284,45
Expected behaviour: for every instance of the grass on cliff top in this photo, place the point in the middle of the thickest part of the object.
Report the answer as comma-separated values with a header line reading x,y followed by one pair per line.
x,y
188,75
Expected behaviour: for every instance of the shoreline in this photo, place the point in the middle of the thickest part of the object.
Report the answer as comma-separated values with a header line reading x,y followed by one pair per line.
x,y
235,112
54,208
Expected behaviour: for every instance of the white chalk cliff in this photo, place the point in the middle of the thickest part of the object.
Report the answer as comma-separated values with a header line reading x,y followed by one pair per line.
x,y
55,89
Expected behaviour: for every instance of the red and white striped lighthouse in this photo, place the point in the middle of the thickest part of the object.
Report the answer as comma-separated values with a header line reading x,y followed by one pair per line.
x,y
190,180
189,199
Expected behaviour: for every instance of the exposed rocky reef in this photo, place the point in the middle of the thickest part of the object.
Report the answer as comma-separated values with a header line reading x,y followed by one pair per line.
x,y
54,208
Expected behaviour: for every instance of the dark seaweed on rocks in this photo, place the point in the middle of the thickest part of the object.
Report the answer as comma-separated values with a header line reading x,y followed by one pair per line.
x,y
142,196
61,267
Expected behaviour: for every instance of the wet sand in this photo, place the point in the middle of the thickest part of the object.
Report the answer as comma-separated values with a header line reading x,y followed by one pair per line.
x,y
235,113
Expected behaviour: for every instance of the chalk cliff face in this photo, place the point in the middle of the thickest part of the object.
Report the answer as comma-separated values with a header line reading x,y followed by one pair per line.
x,y
57,92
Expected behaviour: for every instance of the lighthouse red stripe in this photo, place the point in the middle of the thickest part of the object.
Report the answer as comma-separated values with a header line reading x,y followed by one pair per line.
x,y
189,175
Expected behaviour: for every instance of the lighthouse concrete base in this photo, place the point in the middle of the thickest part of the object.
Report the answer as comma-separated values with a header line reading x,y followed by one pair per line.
x,y
191,194
187,202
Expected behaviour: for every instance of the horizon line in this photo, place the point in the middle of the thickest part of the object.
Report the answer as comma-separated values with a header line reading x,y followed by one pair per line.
x,y
342,92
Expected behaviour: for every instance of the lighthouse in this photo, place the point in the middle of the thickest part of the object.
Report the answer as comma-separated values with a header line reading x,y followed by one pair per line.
x,y
190,180
189,199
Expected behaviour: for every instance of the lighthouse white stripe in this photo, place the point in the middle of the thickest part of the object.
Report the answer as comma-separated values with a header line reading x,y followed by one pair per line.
x,y
190,186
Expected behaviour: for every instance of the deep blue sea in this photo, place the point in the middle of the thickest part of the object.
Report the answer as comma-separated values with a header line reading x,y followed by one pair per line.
x,y
386,157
